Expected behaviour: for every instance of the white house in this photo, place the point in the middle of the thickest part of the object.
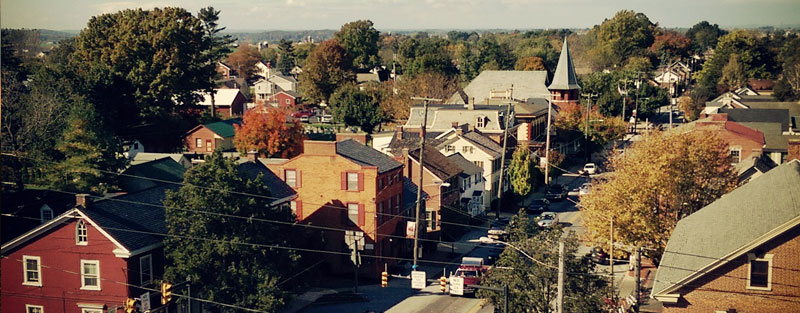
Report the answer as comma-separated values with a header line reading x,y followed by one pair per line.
x,y
478,149
472,185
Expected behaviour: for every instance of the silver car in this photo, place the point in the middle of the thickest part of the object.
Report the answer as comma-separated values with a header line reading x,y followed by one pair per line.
x,y
547,219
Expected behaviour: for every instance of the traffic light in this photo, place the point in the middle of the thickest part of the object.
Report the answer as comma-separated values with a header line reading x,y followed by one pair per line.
x,y
443,283
384,279
130,305
166,292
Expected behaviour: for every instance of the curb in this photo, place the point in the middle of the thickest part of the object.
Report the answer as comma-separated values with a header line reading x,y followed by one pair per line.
x,y
478,306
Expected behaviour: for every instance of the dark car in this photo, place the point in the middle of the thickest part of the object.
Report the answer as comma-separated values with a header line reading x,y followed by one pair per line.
x,y
555,192
538,206
598,255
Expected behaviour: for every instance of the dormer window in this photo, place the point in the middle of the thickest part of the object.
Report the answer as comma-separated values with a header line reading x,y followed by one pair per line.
x,y
480,122
81,237
46,213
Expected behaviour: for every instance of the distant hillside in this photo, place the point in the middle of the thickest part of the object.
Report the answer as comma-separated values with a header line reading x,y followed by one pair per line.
x,y
277,35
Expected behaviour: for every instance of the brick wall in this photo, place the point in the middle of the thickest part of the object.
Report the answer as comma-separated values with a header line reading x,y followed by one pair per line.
x,y
204,134
726,287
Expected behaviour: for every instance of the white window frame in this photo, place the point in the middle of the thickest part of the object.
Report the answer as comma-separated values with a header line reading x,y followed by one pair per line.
x,y
25,270
293,182
767,258
81,233
480,122
198,142
738,151
45,209
293,207
354,181
28,308
352,212
90,308
96,263
148,260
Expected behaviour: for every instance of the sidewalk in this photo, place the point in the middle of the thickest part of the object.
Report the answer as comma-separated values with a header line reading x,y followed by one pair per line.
x,y
627,285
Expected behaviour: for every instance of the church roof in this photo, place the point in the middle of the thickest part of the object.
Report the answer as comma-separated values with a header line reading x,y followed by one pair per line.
x,y
564,78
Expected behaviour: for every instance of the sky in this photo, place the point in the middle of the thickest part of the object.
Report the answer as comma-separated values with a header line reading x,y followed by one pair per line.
x,y
415,14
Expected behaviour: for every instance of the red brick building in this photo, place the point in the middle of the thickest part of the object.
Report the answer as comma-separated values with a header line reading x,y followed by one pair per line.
x,y
285,99
87,260
564,87
739,253
348,185
743,142
206,138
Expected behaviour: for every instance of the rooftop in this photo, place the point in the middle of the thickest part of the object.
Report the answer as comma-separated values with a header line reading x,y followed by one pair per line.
x,y
365,155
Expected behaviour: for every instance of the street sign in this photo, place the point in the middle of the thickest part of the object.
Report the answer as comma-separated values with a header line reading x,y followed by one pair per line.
x,y
145,301
418,280
457,285
354,239
355,256
410,228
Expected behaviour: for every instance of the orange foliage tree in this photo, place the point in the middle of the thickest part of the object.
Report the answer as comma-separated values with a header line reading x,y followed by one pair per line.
x,y
266,131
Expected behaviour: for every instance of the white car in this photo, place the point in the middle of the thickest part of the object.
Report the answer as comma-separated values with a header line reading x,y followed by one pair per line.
x,y
589,169
585,189
547,219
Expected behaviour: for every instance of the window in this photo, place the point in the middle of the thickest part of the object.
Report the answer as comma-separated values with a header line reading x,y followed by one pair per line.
x,y
46,213
32,267
450,148
430,217
736,155
466,149
81,237
293,206
208,145
397,204
760,272
352,181
145,269
34,308
135,146
480,121
91,310
380,183
352,212
288,101
90,274
380,213
291,178
478,163
199,142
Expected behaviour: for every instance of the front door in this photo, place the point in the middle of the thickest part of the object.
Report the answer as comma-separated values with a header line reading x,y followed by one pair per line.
x,y
208,145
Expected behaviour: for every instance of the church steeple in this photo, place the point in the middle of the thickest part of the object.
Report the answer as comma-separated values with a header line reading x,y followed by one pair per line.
x,y
564,87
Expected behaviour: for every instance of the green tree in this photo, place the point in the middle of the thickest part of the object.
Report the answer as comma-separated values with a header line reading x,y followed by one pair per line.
x,y
627,34
217,49
530,64
421,55
782,91
704,35
533,284
91,155
360,39
733,76
521,171
494,55
658,181
325,69
286,62
219,253
756,61
355,107
790,58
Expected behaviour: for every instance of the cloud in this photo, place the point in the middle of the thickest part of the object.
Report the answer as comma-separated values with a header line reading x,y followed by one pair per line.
x,y
295,3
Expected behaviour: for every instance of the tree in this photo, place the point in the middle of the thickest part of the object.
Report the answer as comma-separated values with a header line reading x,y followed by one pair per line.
x,y
286,62
658,181
533,285
244,60
218,47
627,34
431,85
733,76
755,60
269,134
791,64
325,69
672,43
360,40
91,155
355,107
691,109
782,91
530,64
218,250
424,54
494,55
521,171
704,35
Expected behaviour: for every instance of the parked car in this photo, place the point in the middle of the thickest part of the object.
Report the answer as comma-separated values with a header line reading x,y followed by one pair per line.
x,y
537,206
498,229
586,188
547,219
589,169
598,255
555,192
301,114
326,118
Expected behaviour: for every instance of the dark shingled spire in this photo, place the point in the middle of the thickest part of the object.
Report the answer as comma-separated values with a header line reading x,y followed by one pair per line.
x,y
564,78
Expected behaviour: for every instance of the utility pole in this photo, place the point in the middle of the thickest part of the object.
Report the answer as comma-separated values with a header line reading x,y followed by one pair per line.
x,y
611,261
638,269
189,293
547,142
589,97
638,85
560,303
503,156
421,165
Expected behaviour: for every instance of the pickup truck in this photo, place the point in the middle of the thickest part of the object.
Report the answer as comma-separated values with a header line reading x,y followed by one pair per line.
x,y
472,270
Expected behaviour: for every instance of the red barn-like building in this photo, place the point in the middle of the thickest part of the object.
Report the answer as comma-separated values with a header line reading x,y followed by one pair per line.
x,y
89,259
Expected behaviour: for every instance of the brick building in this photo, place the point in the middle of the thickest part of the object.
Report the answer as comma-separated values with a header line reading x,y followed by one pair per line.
x,y
739,253
564,87
205,138
347,185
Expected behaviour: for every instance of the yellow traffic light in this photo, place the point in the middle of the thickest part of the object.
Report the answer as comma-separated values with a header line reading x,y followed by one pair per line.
x,y
130,305
443,283
384,279
166,292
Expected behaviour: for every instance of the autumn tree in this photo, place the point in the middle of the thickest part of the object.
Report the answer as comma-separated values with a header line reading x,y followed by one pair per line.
x,y
360,40
790,63
430,84
656,182
266,131
244,60
217,237
530,64
326,68
691,109
356,107
671,43
521,172
532,276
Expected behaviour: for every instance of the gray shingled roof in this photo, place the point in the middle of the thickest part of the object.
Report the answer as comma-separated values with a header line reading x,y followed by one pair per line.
x,y
130,218
527,84
150,174
410,194
732,222
441,118
484,143
365,155
437,163
467,167
564,78
278,189
759,116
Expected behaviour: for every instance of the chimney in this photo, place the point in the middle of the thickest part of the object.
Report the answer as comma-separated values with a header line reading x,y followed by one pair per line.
x,y
400,132
471,104
312,147
252,155
793,150
454,124
83,200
